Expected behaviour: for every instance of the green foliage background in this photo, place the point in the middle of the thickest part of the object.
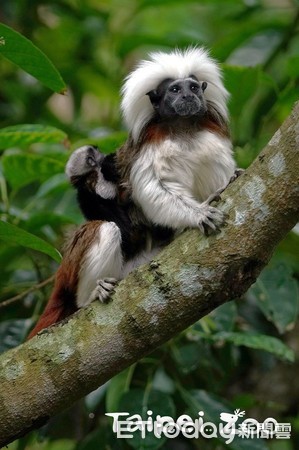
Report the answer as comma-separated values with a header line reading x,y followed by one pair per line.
x,y
245,354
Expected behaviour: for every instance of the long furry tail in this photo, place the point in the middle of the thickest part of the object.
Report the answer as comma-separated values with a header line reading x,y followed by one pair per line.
x,y
63,302
60,305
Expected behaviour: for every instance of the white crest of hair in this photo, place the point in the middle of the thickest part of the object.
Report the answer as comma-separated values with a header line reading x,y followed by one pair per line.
x,y
136,106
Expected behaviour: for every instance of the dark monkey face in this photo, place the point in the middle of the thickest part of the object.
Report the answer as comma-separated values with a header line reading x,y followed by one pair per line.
x,y
182,97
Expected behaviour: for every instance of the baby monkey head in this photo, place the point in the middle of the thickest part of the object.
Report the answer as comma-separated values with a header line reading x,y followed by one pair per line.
x,y
183,97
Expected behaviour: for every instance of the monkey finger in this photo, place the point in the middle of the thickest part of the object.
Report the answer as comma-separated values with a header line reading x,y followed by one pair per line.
x,y
104,289
216,216
108,281
215,197
201,227
207,231
206,226
209,224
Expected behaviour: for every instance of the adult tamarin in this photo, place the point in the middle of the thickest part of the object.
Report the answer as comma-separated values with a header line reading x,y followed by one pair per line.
x,y
176,160
178,155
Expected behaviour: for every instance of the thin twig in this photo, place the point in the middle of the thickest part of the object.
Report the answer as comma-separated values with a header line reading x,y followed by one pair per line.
x,y
18,297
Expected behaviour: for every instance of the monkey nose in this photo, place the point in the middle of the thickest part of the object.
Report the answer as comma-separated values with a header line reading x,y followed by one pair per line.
x,y
187,97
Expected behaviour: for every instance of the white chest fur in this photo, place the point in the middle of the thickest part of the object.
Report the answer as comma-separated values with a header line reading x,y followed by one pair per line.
x,y
171,179
194,167
200,165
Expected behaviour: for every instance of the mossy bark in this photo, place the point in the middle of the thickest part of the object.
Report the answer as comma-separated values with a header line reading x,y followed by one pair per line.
x,y
190,277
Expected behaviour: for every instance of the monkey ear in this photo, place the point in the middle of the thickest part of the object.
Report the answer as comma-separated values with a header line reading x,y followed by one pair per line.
x,y
204,85
154,98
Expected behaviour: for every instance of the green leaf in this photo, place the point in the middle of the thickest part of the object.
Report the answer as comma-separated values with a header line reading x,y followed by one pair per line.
x,y
288,251
24,135
258,341
95,440
162,382
117,387
196,356
241,82
212,406
57,444
276,294
56,184
93,399
224,316
13,235
46,219
22,52
187,357
106,144
199,400
111,143
13,333
21,169
293,67
137,401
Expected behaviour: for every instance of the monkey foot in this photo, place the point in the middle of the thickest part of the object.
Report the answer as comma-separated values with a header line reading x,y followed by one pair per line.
x,y
104,289
213,218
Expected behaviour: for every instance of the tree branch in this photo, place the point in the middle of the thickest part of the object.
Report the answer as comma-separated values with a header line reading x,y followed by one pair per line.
x,y
23,294
190,278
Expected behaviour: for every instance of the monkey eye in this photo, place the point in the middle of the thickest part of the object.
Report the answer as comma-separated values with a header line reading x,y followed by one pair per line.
x,y
194,87
91,161
175,89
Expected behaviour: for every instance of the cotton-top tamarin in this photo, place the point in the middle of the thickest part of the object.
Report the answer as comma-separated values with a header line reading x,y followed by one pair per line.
x,y
177,159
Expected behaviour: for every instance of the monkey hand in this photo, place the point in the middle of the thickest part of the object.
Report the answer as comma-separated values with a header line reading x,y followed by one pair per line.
x,y
216,196
211,218
103,290
93,157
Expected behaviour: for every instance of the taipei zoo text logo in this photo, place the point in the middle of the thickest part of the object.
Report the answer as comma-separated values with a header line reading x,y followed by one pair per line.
x,y
124,427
